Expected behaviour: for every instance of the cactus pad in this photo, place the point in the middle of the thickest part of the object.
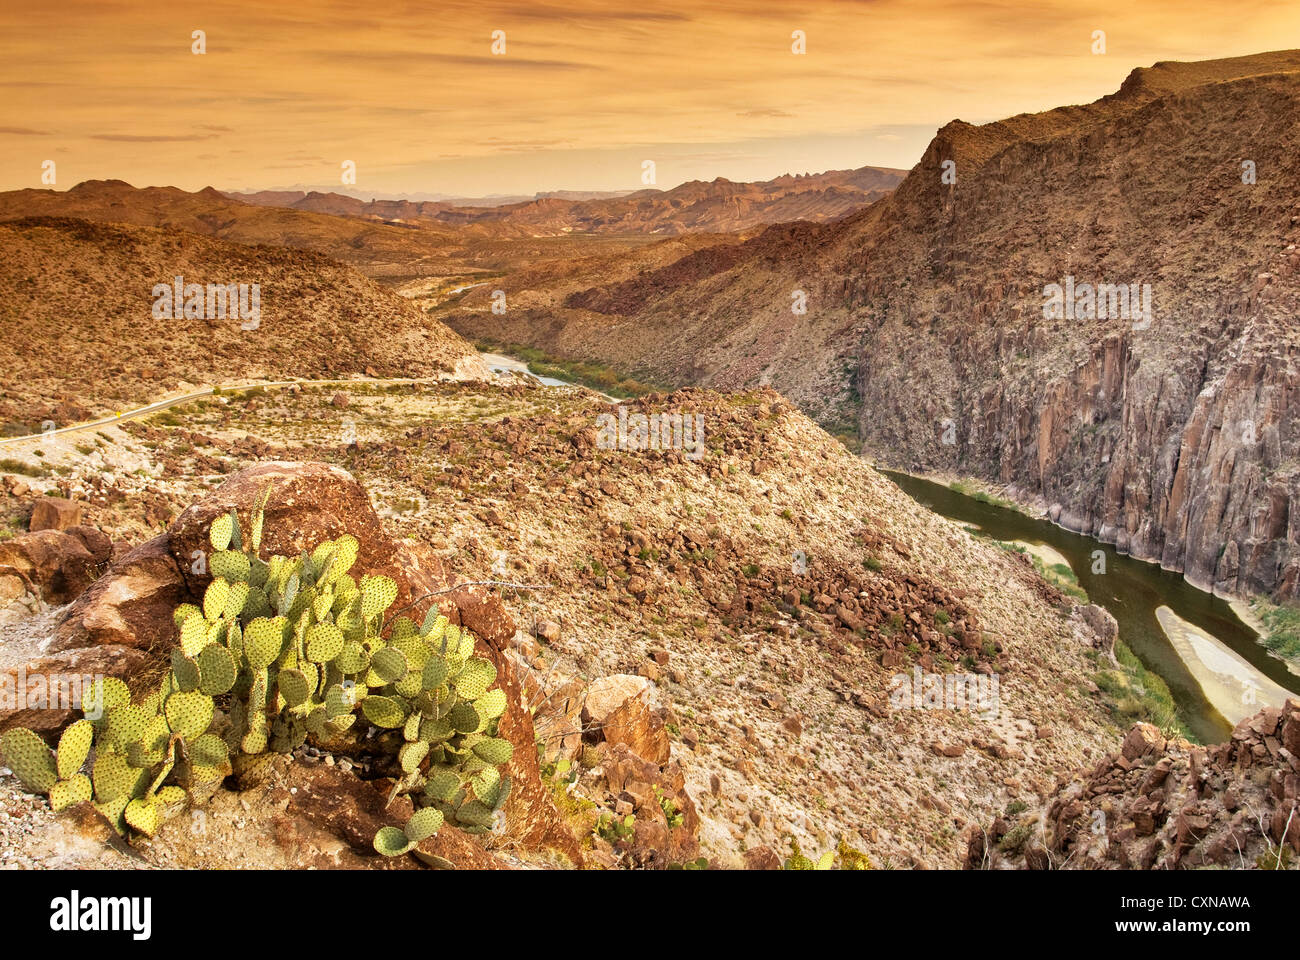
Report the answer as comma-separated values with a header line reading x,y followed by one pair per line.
x,y
384,712
216,670
491,705
392,842
423,824
185,670
144,816
215,597
30,759
389,664
74,748
113,777
377,595
189,714
230,565
263,641
324,643
75,789
494,750
474,678
294,687
194,634
220,531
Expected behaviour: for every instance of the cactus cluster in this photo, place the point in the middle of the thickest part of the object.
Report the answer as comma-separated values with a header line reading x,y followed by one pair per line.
x,y
281,650
136,747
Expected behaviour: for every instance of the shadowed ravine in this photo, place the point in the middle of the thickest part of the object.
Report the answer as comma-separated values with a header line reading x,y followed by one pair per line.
x,y
1132,591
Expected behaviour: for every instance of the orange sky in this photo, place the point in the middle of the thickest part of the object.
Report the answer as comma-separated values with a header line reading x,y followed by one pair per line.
x,y
585,92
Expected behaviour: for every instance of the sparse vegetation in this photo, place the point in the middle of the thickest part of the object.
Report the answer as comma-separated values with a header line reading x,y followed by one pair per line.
x,y
1282,624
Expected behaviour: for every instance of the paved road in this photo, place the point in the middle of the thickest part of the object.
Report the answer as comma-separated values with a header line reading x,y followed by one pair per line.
x,y
206,392
502,362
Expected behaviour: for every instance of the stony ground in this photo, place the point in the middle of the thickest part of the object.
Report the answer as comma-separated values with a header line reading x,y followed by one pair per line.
x,y
770,590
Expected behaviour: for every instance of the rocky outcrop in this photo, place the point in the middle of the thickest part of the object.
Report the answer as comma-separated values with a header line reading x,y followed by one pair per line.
x,y
1158,805
55,513
54,565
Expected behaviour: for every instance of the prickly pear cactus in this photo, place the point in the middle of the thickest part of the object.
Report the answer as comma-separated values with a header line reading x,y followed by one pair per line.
x,y
278,650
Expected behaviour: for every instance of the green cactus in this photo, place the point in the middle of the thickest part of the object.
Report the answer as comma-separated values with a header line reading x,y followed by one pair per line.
x,y
230,565
494,751
215,598
194,633
185,670
377,595
113,777
385,712
74,748
263,641
474,678
389,664
220,531
217,672
30,759
423,824
291,647
324,643
392,842
189,714
75,789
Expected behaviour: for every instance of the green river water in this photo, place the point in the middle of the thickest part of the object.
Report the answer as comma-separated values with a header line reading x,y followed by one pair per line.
x,y
1131,590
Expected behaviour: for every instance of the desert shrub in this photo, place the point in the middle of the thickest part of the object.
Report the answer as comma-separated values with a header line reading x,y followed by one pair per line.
x,y
280,650
797,860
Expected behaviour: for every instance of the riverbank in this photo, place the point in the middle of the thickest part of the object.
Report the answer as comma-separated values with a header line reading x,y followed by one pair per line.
x,y
1132,590
1250,609
539,363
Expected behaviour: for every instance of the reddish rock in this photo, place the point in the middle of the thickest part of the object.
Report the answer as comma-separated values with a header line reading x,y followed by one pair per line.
x,y
51,563
548,631
55,513
46,694
1142,740
633,723
129,606
762,858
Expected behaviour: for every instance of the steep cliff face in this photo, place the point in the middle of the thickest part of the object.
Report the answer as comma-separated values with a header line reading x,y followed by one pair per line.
x,y
1169,431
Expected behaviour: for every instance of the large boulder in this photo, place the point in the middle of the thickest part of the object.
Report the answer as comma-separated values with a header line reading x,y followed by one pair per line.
x,y
55,513
131,606
45,694
617,707
55,565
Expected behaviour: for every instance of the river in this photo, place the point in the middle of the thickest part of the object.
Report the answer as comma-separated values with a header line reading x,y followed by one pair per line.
x,y
1209,657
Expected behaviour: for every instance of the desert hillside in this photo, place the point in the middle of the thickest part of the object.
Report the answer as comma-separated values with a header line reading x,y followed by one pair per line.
x,y
925,336
373,247
80,335
761,596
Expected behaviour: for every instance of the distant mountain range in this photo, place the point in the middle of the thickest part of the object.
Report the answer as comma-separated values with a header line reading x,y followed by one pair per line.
x,y
716,206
